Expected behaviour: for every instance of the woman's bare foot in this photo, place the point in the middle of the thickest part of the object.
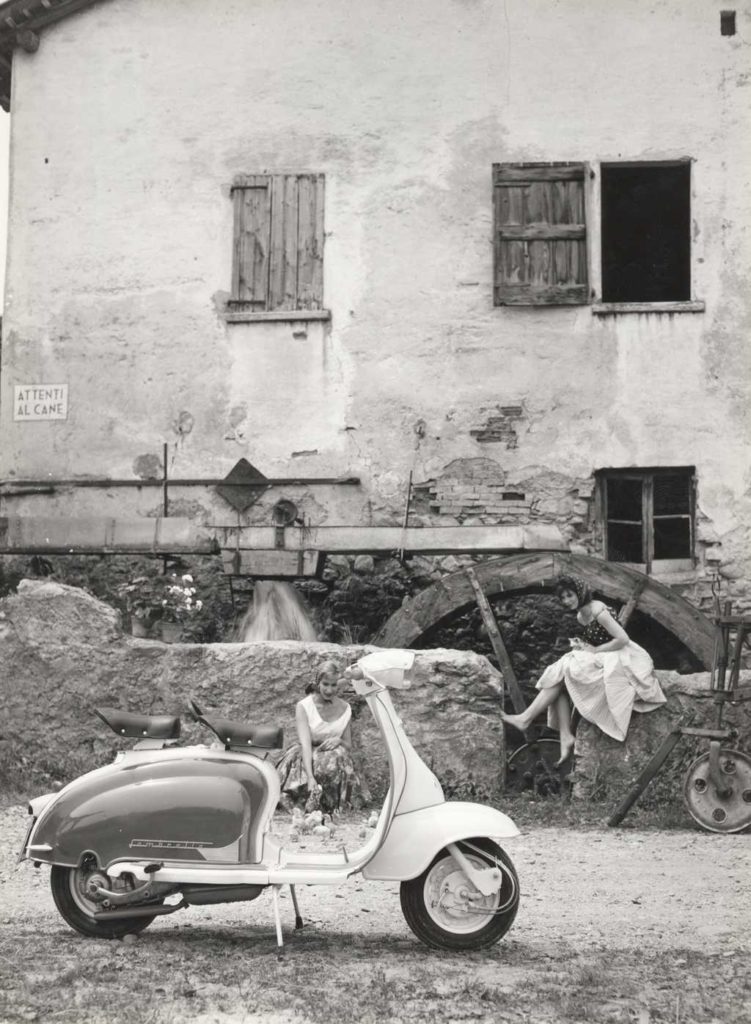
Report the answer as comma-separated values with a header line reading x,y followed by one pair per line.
x,y
567,749
518,721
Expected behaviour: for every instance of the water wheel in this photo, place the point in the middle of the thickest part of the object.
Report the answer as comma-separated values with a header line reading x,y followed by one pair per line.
x,y
532,766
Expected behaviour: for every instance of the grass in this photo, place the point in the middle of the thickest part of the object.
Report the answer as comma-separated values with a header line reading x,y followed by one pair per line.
x,y
530,811
180,975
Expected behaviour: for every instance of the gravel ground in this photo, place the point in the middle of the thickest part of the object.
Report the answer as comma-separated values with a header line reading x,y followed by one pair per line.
x,y
666,912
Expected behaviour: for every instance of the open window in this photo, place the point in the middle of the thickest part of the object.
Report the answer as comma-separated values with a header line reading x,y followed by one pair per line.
x,y
540,236
277,265
646,232
647,517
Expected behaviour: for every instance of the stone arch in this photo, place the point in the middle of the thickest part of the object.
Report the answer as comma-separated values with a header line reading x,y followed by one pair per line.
x,y
539,569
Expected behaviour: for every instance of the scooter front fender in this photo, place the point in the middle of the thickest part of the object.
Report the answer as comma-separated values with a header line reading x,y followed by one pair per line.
x,y
415,838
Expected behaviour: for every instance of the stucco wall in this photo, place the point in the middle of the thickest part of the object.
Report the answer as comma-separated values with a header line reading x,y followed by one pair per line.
x,y
128,126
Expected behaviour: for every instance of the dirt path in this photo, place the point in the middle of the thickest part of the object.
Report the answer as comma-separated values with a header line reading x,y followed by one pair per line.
x,y
613,926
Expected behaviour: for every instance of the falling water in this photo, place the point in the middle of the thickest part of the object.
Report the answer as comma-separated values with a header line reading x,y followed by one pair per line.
x,y
276,613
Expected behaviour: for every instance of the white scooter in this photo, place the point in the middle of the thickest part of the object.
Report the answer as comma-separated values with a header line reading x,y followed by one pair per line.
x,y
165,827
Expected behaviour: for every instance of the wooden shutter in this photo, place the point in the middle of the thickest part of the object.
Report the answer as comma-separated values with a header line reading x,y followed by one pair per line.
x,y
278,254
310,241
250,265
540,242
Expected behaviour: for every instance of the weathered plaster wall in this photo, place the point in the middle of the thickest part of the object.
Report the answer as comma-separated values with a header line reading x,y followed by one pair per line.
x,y
129,124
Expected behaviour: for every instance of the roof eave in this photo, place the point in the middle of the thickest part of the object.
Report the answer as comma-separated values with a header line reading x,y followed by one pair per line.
x,y
20,25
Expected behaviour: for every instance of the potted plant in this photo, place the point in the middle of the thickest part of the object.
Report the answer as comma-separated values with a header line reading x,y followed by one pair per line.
x,y
139,595
162,601
178,604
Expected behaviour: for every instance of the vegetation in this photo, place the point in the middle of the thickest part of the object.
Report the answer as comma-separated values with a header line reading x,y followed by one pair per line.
x,y
221,974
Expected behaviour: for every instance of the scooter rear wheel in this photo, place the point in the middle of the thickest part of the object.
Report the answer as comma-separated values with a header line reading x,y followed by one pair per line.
x,y
77,909
445,911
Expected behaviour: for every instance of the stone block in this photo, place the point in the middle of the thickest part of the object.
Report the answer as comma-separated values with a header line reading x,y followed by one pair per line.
x,y
605,769
64,654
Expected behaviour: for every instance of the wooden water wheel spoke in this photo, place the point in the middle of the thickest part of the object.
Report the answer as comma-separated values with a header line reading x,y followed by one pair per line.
x,y
630,606
496,641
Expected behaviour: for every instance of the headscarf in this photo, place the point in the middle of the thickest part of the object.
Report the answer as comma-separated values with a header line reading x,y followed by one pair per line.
x,y
579,586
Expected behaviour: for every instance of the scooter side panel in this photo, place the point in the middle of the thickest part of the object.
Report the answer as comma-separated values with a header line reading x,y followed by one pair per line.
x,y
195,810
416,837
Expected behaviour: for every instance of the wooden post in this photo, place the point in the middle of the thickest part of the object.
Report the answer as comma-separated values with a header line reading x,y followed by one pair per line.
x,y
496,640
628,609
165,495
644,778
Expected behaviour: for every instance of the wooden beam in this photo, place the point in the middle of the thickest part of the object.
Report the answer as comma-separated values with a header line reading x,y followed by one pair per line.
x,y
646,775
28,40
58,535
385,539
628,609
496,641
97,535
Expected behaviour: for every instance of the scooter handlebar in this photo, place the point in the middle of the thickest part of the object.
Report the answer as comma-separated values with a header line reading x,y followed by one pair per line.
x,y
384,668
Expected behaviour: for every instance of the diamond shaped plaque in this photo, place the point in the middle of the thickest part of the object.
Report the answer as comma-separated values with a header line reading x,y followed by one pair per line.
x,y
243,485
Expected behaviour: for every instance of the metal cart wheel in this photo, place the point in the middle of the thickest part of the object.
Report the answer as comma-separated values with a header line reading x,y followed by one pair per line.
x,y
724,808
532,767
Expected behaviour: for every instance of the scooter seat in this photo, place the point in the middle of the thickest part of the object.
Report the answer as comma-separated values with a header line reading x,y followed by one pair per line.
x,y
152,727
240,734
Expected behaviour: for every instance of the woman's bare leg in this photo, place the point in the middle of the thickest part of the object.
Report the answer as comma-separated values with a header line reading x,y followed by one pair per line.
x,y
542,701
565,734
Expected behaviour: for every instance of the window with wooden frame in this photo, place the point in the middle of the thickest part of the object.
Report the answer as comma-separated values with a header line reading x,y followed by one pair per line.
x,y
277,264
647,516
540,234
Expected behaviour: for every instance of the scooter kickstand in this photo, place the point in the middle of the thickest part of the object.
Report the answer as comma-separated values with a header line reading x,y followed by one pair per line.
x,y
277,918
295,904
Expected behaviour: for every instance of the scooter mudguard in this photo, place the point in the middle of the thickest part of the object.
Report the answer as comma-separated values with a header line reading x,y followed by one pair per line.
x,y
202,809
417,836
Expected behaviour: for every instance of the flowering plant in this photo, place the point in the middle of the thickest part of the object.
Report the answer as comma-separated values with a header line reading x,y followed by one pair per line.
x,y
178,600
171,598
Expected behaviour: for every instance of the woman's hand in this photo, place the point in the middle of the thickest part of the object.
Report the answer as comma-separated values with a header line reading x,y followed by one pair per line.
x,y
313,786
579,645
330,744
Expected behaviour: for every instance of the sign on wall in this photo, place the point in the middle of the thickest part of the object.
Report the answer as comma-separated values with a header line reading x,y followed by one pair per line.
x,y
40,402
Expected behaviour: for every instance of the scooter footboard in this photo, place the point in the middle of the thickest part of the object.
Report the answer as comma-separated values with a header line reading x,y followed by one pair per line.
x,y
416,837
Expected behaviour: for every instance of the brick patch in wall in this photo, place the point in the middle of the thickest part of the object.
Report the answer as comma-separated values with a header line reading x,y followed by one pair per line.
x,y
472,487
499,426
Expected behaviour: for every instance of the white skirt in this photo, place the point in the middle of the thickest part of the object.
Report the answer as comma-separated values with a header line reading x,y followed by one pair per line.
x,y
606,687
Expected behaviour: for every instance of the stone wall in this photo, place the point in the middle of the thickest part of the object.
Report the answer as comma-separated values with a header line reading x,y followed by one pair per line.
x,y
606,769
64,653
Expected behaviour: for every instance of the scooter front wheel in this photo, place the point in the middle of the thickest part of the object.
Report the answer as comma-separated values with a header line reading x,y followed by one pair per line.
x,y
69,891
444,909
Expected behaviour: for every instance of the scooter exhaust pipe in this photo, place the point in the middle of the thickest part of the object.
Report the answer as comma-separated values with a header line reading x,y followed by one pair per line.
x,y
124,914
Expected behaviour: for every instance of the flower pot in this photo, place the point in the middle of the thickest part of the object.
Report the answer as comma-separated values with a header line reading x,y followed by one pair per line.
x,y
138,627
170,632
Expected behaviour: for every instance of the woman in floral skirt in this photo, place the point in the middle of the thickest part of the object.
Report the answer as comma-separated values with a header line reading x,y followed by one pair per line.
x,y
318,771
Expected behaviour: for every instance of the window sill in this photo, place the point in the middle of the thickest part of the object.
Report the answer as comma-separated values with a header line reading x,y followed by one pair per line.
x,y
613,308
246,316
674,570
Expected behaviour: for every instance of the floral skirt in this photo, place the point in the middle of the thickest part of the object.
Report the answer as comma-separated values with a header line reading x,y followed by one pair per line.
x,y
341,785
